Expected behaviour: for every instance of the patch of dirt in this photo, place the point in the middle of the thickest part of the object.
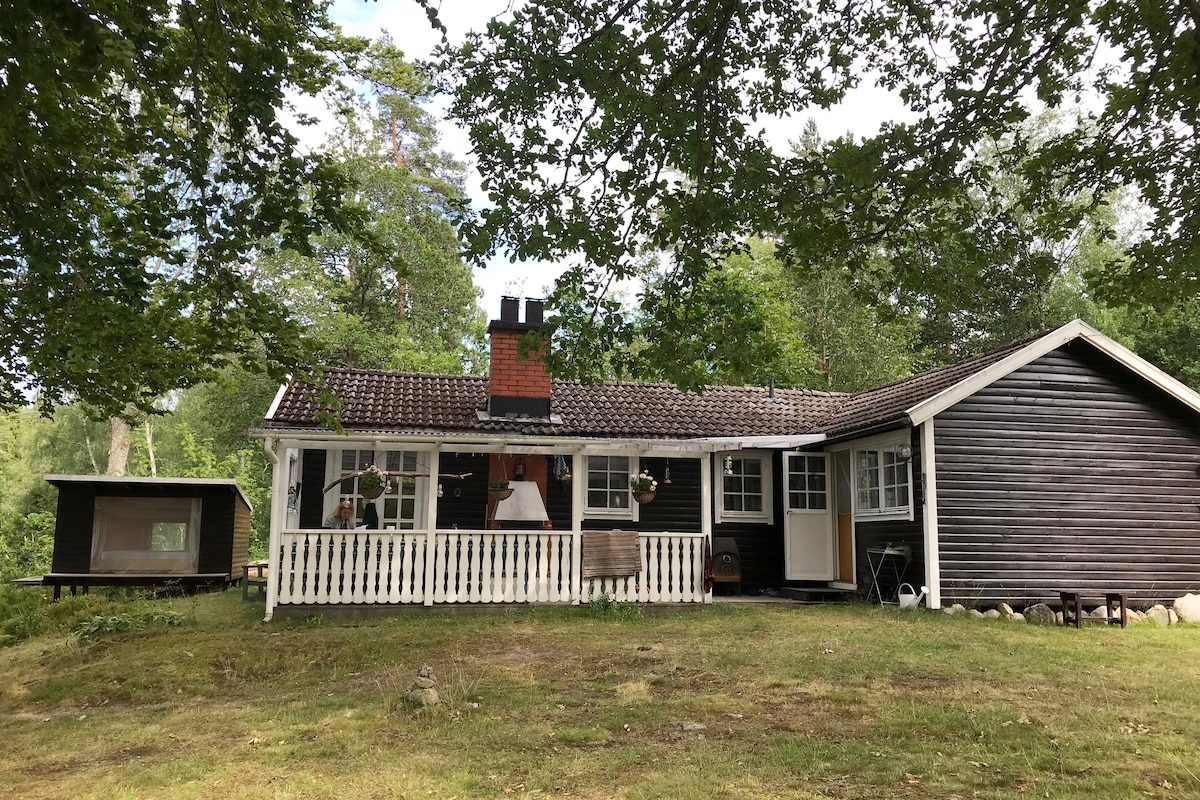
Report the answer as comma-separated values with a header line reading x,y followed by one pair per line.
x,y
523,654
916,682
44,769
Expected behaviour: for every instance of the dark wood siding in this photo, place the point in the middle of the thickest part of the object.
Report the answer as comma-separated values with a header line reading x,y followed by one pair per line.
x,y
312,489
676,507
73,529
558,497
895,533
1069,474
216,531
760,545
463,502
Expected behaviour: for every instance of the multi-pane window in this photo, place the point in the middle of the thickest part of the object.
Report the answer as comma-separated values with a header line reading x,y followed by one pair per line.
x,y
608,484
743,485
398,505
881,480
806,482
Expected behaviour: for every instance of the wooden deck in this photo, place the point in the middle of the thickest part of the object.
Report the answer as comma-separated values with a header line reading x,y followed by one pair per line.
x,y
85,580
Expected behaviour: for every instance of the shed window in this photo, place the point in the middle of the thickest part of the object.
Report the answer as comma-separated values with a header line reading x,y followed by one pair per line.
x,y
146,534
608,485
882,481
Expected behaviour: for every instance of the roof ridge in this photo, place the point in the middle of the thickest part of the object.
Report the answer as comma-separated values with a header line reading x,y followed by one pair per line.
x,y
397,373
708,388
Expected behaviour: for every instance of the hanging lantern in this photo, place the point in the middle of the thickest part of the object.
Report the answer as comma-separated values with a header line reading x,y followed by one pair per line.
x,y
561,471
728,465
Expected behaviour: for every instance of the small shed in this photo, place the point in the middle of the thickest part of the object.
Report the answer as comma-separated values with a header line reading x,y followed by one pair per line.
x,y
119,531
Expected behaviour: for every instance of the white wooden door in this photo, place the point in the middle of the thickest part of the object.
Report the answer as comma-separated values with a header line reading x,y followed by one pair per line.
x,y
808,549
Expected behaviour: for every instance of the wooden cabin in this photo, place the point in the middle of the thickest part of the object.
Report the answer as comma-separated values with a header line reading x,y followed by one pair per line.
x,y
119,531
1063,463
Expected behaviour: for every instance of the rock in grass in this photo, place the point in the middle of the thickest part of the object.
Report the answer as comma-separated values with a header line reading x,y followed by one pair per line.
x,y
1188,607
1158,613
1039,614
1005,610
975,613
992,613
423,691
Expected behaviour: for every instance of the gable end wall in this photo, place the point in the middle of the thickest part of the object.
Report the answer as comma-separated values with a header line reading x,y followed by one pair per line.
x,y
1071,473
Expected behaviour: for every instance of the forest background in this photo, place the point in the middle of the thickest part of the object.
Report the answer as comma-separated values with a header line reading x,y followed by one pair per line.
x,y
395,290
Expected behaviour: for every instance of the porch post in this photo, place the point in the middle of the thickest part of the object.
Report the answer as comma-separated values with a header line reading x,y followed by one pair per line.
x,y
279,481
706,510
431,501
578,486
933,577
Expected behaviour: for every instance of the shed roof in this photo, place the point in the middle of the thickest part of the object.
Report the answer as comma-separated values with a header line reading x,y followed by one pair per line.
x,y
110,480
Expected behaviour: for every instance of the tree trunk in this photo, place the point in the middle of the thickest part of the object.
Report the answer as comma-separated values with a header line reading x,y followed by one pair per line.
x,y
150,449
118,448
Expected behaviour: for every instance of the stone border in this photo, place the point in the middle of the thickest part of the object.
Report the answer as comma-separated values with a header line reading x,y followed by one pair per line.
x,y
1184,609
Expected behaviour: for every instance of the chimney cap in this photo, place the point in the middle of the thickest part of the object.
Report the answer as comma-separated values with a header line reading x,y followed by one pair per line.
x,y
510,315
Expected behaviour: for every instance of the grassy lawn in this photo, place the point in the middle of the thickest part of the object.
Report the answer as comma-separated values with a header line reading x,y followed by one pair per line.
x,y
724,702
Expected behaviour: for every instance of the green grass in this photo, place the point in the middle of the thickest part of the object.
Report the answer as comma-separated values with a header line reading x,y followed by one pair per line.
x,y
798,703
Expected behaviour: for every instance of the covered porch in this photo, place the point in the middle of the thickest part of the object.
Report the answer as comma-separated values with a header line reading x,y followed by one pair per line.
x,y
441,540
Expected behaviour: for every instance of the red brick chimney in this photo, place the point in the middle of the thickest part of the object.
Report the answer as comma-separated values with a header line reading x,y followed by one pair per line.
x,y
518,387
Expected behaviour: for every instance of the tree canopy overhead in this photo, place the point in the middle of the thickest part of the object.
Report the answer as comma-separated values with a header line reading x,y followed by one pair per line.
x,y
145,162
604,130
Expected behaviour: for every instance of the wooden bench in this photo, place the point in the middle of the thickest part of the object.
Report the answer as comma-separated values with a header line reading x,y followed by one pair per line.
x,y
254,575
1072,609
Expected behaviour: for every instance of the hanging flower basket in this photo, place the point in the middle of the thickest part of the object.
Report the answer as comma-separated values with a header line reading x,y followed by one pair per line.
x,y
372,482
643,486
500,494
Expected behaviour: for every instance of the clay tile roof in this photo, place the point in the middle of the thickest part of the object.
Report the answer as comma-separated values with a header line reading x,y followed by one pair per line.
x,y
421,403
411,402
887,404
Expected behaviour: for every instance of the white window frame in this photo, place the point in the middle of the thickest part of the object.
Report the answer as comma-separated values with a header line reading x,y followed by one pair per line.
x,y
890,444
589,511
767,461
333,470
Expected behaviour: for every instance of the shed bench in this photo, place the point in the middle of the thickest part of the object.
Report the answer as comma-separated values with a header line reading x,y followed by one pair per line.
x,y
254,574
1072,608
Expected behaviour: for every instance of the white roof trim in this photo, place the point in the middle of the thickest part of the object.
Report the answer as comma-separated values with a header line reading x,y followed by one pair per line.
x,y
487,441
1076,329
278,399
722,443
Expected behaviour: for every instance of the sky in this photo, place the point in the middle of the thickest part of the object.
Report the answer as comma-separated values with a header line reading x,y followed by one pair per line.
x,y
405,21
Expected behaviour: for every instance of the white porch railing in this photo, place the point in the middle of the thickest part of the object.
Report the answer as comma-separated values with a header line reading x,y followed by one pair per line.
x,y
327,567
672,572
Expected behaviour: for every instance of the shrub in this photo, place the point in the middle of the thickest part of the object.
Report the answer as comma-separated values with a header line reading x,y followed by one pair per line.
x,y
135,619
22,613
